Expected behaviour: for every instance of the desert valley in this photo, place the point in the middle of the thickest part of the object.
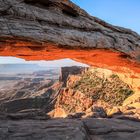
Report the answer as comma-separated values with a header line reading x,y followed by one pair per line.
x,y
66,75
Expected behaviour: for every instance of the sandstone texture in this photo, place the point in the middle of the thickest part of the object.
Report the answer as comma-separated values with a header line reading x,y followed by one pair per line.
x,y
60,22
97,93
84,118
92,105
69,129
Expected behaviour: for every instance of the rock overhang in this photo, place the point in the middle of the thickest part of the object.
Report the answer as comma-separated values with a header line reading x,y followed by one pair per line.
x,y
61,23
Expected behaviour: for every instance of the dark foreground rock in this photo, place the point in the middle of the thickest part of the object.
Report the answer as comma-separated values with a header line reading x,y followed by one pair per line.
x,y
68,129
62,23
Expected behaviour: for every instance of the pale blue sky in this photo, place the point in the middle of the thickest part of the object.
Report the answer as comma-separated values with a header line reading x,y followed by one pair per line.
x,y
55,63
125,13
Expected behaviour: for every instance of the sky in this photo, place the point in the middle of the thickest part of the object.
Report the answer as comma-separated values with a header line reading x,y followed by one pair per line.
x,y
55,63
125,13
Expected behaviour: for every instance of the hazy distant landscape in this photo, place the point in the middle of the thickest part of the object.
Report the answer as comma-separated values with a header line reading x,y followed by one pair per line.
x,y
25,83
14,73
14,70
22,68
22,82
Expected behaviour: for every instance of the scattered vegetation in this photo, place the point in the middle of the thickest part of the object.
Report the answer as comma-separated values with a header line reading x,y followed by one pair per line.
x,y
111,90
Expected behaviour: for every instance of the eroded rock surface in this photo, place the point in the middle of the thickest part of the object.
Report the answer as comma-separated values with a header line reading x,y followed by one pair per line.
x,y
85,119
28,91
34,29
67,129
62,23
98,93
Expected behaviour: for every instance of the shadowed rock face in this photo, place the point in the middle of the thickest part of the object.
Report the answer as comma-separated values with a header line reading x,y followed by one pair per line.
x,y
87,129
61,23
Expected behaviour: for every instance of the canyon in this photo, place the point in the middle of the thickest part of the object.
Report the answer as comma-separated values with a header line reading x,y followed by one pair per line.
x,y
100,102
70,108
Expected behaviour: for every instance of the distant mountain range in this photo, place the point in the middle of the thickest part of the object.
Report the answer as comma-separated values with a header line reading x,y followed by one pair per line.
x,y
22,68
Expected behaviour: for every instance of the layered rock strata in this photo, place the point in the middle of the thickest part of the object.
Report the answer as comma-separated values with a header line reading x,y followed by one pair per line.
x,y
62,23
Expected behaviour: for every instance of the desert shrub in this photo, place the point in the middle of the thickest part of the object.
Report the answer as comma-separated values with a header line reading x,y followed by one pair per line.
x,y
111,90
